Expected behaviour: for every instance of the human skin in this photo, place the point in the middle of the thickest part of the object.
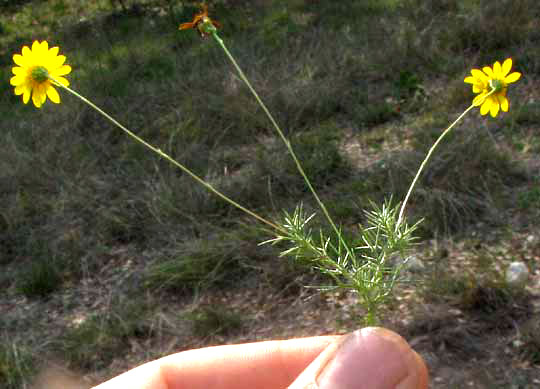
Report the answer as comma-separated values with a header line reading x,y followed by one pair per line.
x,y
371,358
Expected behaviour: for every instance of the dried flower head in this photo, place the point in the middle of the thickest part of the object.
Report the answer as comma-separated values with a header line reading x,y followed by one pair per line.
x,y
202,22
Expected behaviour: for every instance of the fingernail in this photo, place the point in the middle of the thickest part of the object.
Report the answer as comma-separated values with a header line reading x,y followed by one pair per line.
x,y
371,358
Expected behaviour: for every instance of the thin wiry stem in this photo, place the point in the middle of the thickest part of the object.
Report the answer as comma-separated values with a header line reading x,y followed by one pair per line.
x,y
168,158
285,140
430,152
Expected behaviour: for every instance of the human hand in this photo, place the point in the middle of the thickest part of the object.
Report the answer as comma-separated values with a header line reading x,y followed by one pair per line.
x,y
370,358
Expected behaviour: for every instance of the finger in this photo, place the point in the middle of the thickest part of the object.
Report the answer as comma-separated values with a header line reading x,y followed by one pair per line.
x,y
370,358
262,365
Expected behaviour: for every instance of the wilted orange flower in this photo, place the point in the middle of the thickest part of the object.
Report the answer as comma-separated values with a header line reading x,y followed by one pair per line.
x,y
201,21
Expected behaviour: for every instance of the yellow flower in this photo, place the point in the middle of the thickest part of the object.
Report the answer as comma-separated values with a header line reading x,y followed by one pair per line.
x,y
485,80
38,70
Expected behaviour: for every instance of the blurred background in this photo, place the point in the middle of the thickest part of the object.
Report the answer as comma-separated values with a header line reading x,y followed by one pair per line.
x,y
110,256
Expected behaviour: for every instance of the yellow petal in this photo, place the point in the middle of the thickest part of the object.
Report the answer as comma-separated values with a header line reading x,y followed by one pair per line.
x,y
469,80
37,52
38,93
478,100
18,70
35,47
53,51
26,94
58,61
513,77
504,103
497,69
476,88
488,71
494,108
43,49
62,81
16,80
36,99
43,95
478,74
19,59
485,107
66,69
53,94
20,89
26,52
506,66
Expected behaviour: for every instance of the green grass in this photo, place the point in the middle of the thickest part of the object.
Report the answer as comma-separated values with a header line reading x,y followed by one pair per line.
x,y
530,347
464,183
216,321
218,260
16,364
530,198
320,155
40,279
480,290
207,264
99,338
43,272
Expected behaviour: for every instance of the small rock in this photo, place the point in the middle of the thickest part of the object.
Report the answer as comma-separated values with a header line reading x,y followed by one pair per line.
x,y
410,263
414,265
531,241
517,274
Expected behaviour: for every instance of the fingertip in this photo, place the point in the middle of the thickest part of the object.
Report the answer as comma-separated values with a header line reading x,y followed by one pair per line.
x,y
422,371
368,358
413,367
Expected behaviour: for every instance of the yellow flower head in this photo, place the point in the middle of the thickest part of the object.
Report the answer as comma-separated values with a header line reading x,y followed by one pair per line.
x,y
488,79
38,70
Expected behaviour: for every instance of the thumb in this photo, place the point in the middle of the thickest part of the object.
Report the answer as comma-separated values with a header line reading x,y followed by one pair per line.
x,y
370,358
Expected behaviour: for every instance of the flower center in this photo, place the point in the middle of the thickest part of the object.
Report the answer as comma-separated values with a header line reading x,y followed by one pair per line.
x,y
205,26
498,85
39,74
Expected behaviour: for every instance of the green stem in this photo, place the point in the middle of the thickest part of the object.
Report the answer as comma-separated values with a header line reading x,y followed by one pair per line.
x,y
282,136
370,318
168,158
431,150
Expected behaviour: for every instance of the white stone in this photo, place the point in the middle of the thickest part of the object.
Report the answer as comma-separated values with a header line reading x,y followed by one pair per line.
x,y
517,274
414,265
410,263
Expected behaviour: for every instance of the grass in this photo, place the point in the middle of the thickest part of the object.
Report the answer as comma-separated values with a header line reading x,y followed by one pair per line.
x,y
16,364
386,74
203,265
530,342
530,198
226,260
481,289
104,336
212,321
40,279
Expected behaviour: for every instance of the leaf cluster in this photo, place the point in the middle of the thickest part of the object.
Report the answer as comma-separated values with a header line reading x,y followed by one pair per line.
x,y
364,265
